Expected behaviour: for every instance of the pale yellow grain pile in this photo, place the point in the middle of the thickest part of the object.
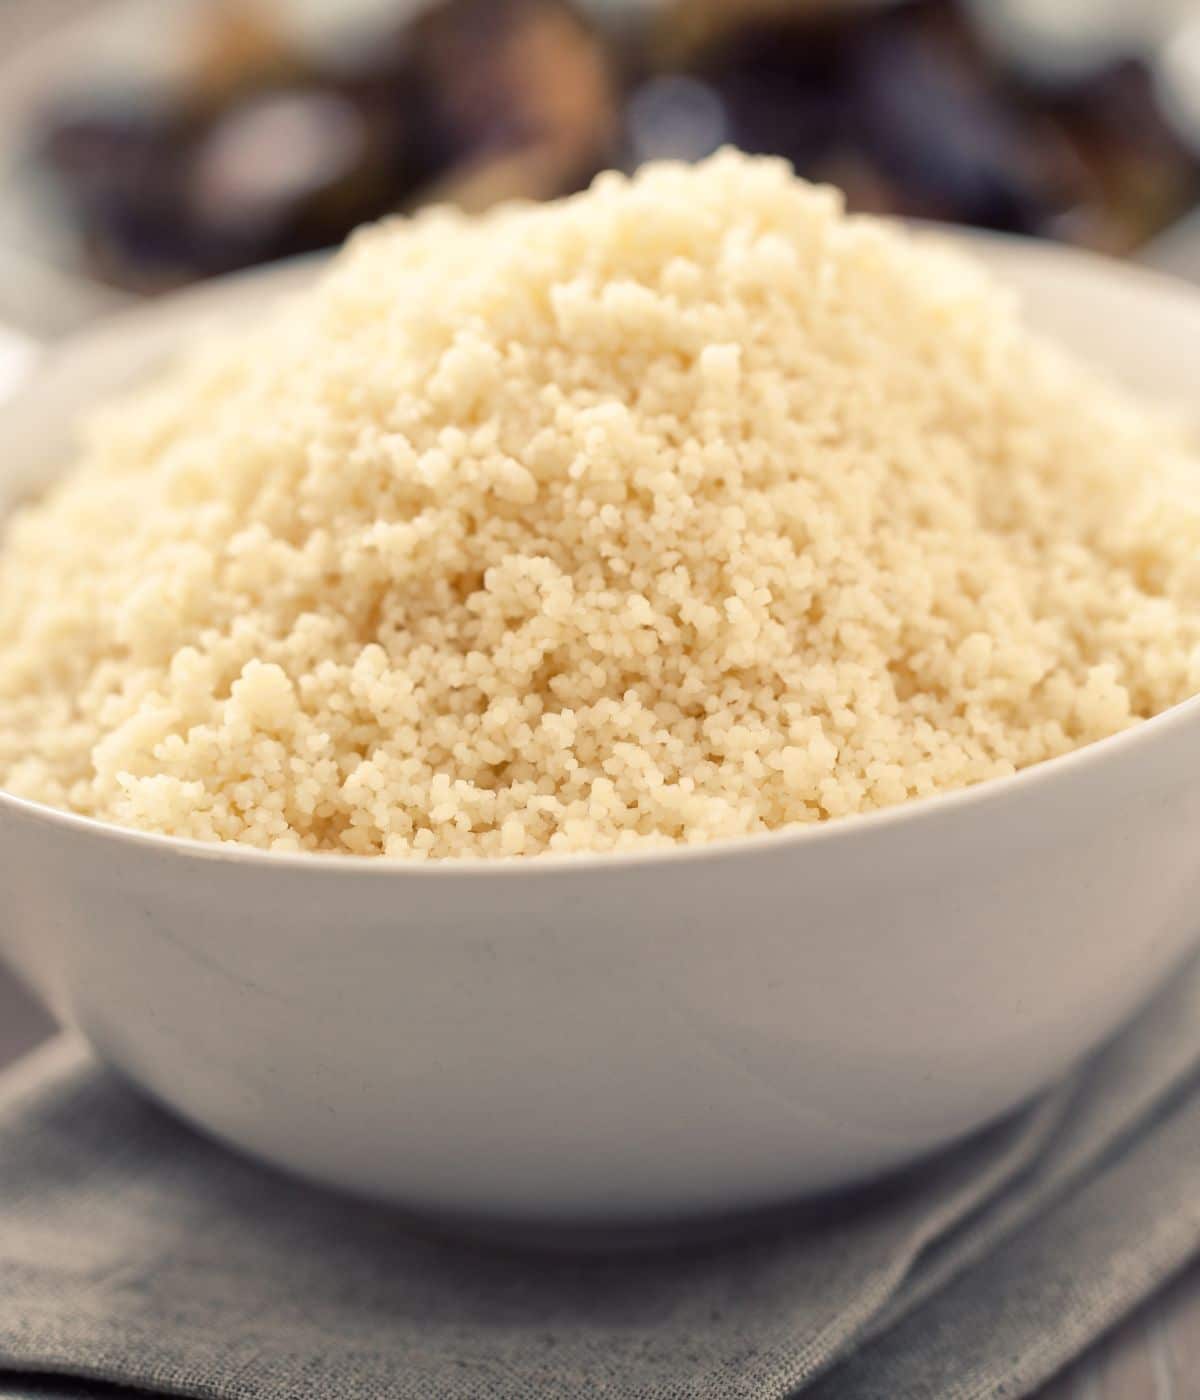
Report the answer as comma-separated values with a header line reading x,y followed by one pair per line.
x,y
681,509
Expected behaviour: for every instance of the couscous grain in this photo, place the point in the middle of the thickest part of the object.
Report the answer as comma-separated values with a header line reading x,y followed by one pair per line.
x,y
685,508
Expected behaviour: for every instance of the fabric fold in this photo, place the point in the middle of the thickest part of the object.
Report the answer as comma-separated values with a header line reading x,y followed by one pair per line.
x,y
136,1252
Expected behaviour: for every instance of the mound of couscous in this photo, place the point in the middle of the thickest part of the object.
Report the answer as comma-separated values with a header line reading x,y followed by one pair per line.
x,y
685,508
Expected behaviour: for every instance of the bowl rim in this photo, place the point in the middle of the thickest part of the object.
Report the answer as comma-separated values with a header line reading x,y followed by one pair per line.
x,y
962,802
202,297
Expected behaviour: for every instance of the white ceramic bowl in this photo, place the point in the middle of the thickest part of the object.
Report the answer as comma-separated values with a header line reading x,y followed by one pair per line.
x,y
626,1039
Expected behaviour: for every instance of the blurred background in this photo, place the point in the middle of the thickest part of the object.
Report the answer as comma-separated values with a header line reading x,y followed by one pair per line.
x,y
145,144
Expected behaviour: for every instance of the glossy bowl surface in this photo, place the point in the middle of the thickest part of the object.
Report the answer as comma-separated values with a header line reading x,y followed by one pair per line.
x,y
625,1040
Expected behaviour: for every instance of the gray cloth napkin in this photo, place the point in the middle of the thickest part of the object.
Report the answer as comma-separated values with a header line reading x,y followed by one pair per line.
x,y
135,1252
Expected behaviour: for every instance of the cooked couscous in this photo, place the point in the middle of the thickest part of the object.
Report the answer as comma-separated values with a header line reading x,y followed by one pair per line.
x,y
685,508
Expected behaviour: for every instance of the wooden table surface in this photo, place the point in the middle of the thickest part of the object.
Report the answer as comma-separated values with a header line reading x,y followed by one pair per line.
x,y
1154,1355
